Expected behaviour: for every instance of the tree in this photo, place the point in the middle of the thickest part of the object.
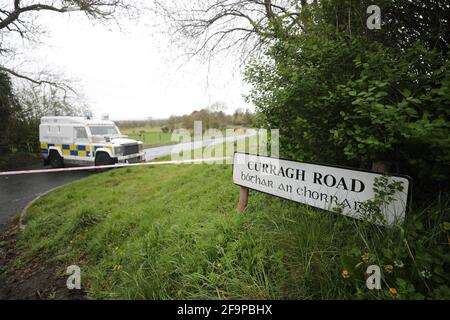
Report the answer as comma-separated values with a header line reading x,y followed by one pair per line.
x,y
7,104
21,126
243,26
42,93
248,118
343,94
404,22
217,107
20,18
238,117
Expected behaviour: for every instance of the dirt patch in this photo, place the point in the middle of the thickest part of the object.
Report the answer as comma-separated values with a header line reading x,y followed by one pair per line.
x,y
36,280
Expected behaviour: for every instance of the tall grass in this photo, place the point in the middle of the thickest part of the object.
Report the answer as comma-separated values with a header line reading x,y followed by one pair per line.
x,y
173,233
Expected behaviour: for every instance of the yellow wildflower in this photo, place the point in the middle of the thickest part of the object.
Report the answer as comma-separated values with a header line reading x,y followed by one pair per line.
x,y
393,291
117,267
345,274
365,257
389,268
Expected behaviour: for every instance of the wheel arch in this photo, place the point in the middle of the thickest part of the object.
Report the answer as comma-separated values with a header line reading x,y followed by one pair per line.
x,y
53,149
98,153
105,150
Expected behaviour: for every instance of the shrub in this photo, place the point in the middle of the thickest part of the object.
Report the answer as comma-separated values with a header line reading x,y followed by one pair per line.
x,y
341,99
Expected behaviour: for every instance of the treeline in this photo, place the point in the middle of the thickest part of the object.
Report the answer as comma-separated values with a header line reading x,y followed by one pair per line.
x,y
211,119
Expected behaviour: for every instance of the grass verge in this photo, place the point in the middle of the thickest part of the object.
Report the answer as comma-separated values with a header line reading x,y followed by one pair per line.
x,y
172,232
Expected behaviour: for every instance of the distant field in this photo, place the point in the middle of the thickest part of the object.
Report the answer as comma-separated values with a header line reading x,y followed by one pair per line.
x,y
150,136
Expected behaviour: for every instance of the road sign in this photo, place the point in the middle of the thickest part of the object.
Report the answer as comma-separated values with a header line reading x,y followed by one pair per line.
x,y
331,188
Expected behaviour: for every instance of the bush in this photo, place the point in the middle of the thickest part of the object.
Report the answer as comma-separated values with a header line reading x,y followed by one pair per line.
x,y
341,99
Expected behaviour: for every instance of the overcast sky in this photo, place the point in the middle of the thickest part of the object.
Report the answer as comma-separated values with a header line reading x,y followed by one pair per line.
x,y
135,73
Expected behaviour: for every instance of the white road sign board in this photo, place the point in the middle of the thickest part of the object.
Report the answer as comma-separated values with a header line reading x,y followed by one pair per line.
x,y
329,188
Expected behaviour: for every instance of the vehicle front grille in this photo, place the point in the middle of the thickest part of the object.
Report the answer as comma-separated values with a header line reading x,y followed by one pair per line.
x,y
130,149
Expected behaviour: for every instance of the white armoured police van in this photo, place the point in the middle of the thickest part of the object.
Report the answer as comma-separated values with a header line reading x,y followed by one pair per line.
x,y
82,141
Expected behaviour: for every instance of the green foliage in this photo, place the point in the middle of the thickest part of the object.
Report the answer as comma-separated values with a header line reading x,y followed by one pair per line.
x,y
289,89
395,110
22,110
7,103
342,94
212,117
413,258
385,193
19,132
165,129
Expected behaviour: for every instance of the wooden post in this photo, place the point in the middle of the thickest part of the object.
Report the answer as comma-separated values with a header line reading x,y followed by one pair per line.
x,y
243,199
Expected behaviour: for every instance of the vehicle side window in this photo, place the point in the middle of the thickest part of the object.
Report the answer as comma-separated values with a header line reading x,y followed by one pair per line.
x,y
81,134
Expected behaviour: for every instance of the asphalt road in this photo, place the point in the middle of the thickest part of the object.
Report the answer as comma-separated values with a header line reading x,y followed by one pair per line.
x,y
153,153
18,190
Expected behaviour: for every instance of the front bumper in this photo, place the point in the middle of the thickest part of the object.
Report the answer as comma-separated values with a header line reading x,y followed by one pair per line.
x,y
132,158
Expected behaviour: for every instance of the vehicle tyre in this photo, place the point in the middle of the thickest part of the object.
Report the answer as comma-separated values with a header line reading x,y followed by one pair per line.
x,y
103,159
55,160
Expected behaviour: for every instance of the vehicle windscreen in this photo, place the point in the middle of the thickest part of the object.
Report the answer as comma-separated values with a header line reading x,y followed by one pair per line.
x,y
103,130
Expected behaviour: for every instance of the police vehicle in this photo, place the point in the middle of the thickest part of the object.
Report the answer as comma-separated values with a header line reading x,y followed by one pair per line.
x,y
78,140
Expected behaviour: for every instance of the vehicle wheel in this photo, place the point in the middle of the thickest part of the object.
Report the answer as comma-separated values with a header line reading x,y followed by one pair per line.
x,y
55,160
103,159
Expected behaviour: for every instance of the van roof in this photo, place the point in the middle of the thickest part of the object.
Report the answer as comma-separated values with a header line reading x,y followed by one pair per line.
x,y
74,120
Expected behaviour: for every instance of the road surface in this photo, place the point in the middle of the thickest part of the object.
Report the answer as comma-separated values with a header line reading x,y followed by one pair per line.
x,y
17,191
158,152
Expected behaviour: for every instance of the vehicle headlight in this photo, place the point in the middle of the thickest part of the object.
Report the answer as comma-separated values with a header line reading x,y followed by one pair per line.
x,y
141,147
118,150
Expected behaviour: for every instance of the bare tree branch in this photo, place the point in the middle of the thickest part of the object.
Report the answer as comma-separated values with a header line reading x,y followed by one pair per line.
x,y
63,85
18,18
97,9
208,27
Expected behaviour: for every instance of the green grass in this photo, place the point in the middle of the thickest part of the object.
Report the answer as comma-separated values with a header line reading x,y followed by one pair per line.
x,y
150,136
179,239
172,232
153,136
